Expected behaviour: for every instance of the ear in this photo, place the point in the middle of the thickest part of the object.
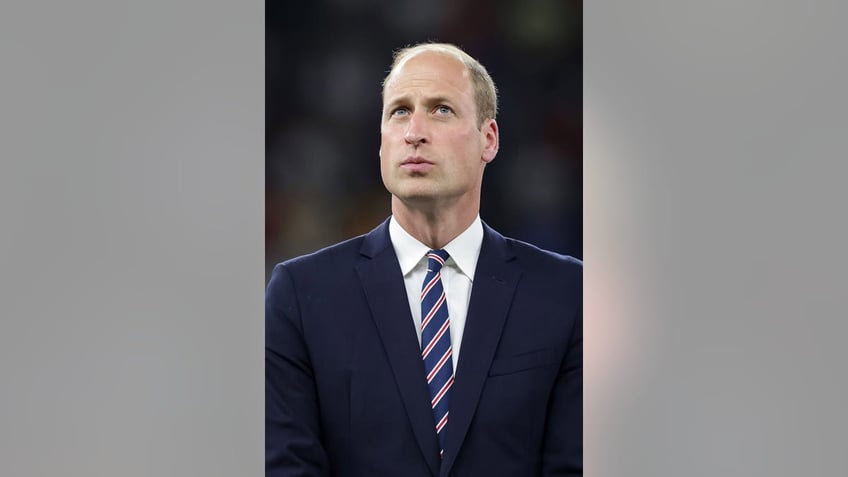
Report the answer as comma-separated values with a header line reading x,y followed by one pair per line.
x,y
489,136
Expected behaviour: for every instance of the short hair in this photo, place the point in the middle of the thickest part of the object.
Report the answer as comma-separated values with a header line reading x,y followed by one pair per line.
x,y
485,92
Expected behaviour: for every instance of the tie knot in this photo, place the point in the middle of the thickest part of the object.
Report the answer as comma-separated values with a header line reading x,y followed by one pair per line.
x,y
436,259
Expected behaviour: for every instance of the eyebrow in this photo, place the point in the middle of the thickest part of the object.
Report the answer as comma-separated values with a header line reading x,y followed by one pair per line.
x,y
429,101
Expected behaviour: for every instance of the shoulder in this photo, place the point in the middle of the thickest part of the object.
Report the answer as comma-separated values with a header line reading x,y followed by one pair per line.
x,y
342,255
551,265
541,270
529,256
325,259
527,251
317,275
330,270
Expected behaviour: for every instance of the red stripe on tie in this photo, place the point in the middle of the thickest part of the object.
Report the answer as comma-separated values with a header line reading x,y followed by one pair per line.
x,y
442,392
442,423
435,339
436,258
430,285
439,365
433,311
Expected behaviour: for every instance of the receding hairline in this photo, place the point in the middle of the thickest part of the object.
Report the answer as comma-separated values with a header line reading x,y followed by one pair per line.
x,y
402,56
485,91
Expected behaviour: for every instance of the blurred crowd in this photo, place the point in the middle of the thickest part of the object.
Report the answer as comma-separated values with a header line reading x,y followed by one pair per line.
x,y
325,61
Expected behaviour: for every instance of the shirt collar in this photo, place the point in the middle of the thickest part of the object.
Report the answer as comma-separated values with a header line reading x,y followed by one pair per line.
x,y
464,249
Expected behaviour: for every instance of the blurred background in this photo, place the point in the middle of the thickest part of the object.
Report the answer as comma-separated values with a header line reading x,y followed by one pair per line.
x,y
325,61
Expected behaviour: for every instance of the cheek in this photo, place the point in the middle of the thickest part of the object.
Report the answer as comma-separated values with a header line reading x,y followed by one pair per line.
x,y
385,155
386,140
384,148
469,144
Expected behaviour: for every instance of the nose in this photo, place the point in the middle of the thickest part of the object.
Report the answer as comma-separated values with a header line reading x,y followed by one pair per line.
x,y
416,133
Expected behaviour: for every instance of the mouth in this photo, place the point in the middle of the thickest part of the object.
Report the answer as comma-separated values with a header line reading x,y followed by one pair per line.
x,y
415,160
416,165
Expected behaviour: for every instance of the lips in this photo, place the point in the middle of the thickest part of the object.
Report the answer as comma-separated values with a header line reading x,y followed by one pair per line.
x,y
416,165
415,160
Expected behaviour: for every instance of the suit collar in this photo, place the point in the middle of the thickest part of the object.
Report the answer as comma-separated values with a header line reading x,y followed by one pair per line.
x,y
463,250
376,240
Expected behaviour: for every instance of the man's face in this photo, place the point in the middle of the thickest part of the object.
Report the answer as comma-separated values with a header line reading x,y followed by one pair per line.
x,y
431,150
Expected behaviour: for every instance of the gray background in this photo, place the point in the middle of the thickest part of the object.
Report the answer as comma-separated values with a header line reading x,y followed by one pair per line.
x,y
131,248
715,235
131,201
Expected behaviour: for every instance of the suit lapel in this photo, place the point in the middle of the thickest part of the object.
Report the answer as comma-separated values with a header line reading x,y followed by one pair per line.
x,y
494,285
384,288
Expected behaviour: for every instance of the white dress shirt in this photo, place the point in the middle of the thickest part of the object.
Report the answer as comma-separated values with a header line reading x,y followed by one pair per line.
x,y
457,275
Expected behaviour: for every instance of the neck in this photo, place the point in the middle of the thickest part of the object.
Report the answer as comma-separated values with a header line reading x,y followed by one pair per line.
x,y
434,226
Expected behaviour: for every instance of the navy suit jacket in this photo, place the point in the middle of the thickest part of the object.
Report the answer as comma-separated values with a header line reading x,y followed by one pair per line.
x,y
345,391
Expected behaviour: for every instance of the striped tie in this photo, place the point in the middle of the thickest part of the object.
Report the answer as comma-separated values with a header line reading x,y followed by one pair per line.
x,y
435,341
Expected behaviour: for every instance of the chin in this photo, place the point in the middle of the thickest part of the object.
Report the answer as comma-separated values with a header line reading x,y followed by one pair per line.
x,y
416,196
413,189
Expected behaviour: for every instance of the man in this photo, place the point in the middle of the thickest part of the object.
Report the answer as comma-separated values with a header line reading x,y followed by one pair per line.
x,y
431,346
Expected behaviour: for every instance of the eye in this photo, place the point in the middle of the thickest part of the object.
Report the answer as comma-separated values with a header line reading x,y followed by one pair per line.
x,y
401,111
442,109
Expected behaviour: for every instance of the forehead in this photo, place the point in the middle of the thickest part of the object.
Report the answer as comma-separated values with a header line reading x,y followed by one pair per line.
x,y
429,71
